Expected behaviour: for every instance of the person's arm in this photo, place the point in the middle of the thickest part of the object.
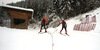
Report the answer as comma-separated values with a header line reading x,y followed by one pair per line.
x,y
46,21
59,23
41,21
65,23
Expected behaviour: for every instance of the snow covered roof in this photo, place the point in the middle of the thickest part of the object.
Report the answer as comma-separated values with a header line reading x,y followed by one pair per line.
x,y
15,7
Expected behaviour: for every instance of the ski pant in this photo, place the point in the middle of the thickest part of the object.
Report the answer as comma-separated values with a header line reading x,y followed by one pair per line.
x,y
62,29
42,26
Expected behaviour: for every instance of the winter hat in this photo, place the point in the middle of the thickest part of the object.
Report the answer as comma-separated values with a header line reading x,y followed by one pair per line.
x,y
43,16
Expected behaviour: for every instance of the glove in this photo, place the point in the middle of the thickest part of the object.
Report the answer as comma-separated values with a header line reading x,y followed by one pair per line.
x,y
66,26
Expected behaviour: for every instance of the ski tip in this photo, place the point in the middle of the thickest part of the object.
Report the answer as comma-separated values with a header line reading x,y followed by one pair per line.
x,y
67,34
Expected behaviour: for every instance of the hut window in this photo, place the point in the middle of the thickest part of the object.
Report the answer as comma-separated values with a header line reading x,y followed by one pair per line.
x,y
19,21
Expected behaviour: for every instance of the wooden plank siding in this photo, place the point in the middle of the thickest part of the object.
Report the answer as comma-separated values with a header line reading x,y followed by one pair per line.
x,y
18,14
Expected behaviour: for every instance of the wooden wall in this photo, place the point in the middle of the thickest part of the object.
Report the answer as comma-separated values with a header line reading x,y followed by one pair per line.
x,y
19,14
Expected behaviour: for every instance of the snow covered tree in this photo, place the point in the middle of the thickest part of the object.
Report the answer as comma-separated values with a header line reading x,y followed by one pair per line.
x,y
62,8
1,15
70,8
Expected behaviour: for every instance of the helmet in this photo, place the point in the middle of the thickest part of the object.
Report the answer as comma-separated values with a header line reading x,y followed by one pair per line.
x,y
62,19
43,16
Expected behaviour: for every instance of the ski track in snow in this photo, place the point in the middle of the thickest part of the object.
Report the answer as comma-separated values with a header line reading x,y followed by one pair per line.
x,y
17,39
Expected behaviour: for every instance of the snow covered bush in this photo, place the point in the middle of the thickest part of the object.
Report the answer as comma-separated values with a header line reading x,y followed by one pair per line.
x,y
7,23
53,20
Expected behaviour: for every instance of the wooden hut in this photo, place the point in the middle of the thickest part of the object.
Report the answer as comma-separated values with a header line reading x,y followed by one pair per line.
x,y
19,16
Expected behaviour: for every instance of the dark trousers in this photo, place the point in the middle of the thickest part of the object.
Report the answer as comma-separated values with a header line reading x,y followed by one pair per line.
x,y
43,26
63,27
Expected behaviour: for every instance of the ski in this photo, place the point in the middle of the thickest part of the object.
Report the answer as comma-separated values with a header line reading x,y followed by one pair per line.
x,y
67,34
42,32
64,34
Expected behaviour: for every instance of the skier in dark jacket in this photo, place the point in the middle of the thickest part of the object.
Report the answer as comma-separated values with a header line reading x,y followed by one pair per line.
x,y
43,23
64,25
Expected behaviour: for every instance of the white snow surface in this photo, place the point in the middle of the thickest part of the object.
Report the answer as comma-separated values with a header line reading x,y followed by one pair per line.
x,y
15,7
18,39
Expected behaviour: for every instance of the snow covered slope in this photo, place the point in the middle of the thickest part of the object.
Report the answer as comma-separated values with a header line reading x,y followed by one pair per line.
x,y
17,39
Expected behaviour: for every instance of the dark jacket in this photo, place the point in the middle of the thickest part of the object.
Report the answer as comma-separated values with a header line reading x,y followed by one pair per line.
x,y
64,24
43,21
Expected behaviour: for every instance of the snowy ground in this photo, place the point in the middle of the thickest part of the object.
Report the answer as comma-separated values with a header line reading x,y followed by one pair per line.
x,y
17,39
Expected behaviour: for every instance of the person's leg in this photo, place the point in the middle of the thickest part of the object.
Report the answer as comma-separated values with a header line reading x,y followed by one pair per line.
x,y
41,28
61,30
65,31
45,29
